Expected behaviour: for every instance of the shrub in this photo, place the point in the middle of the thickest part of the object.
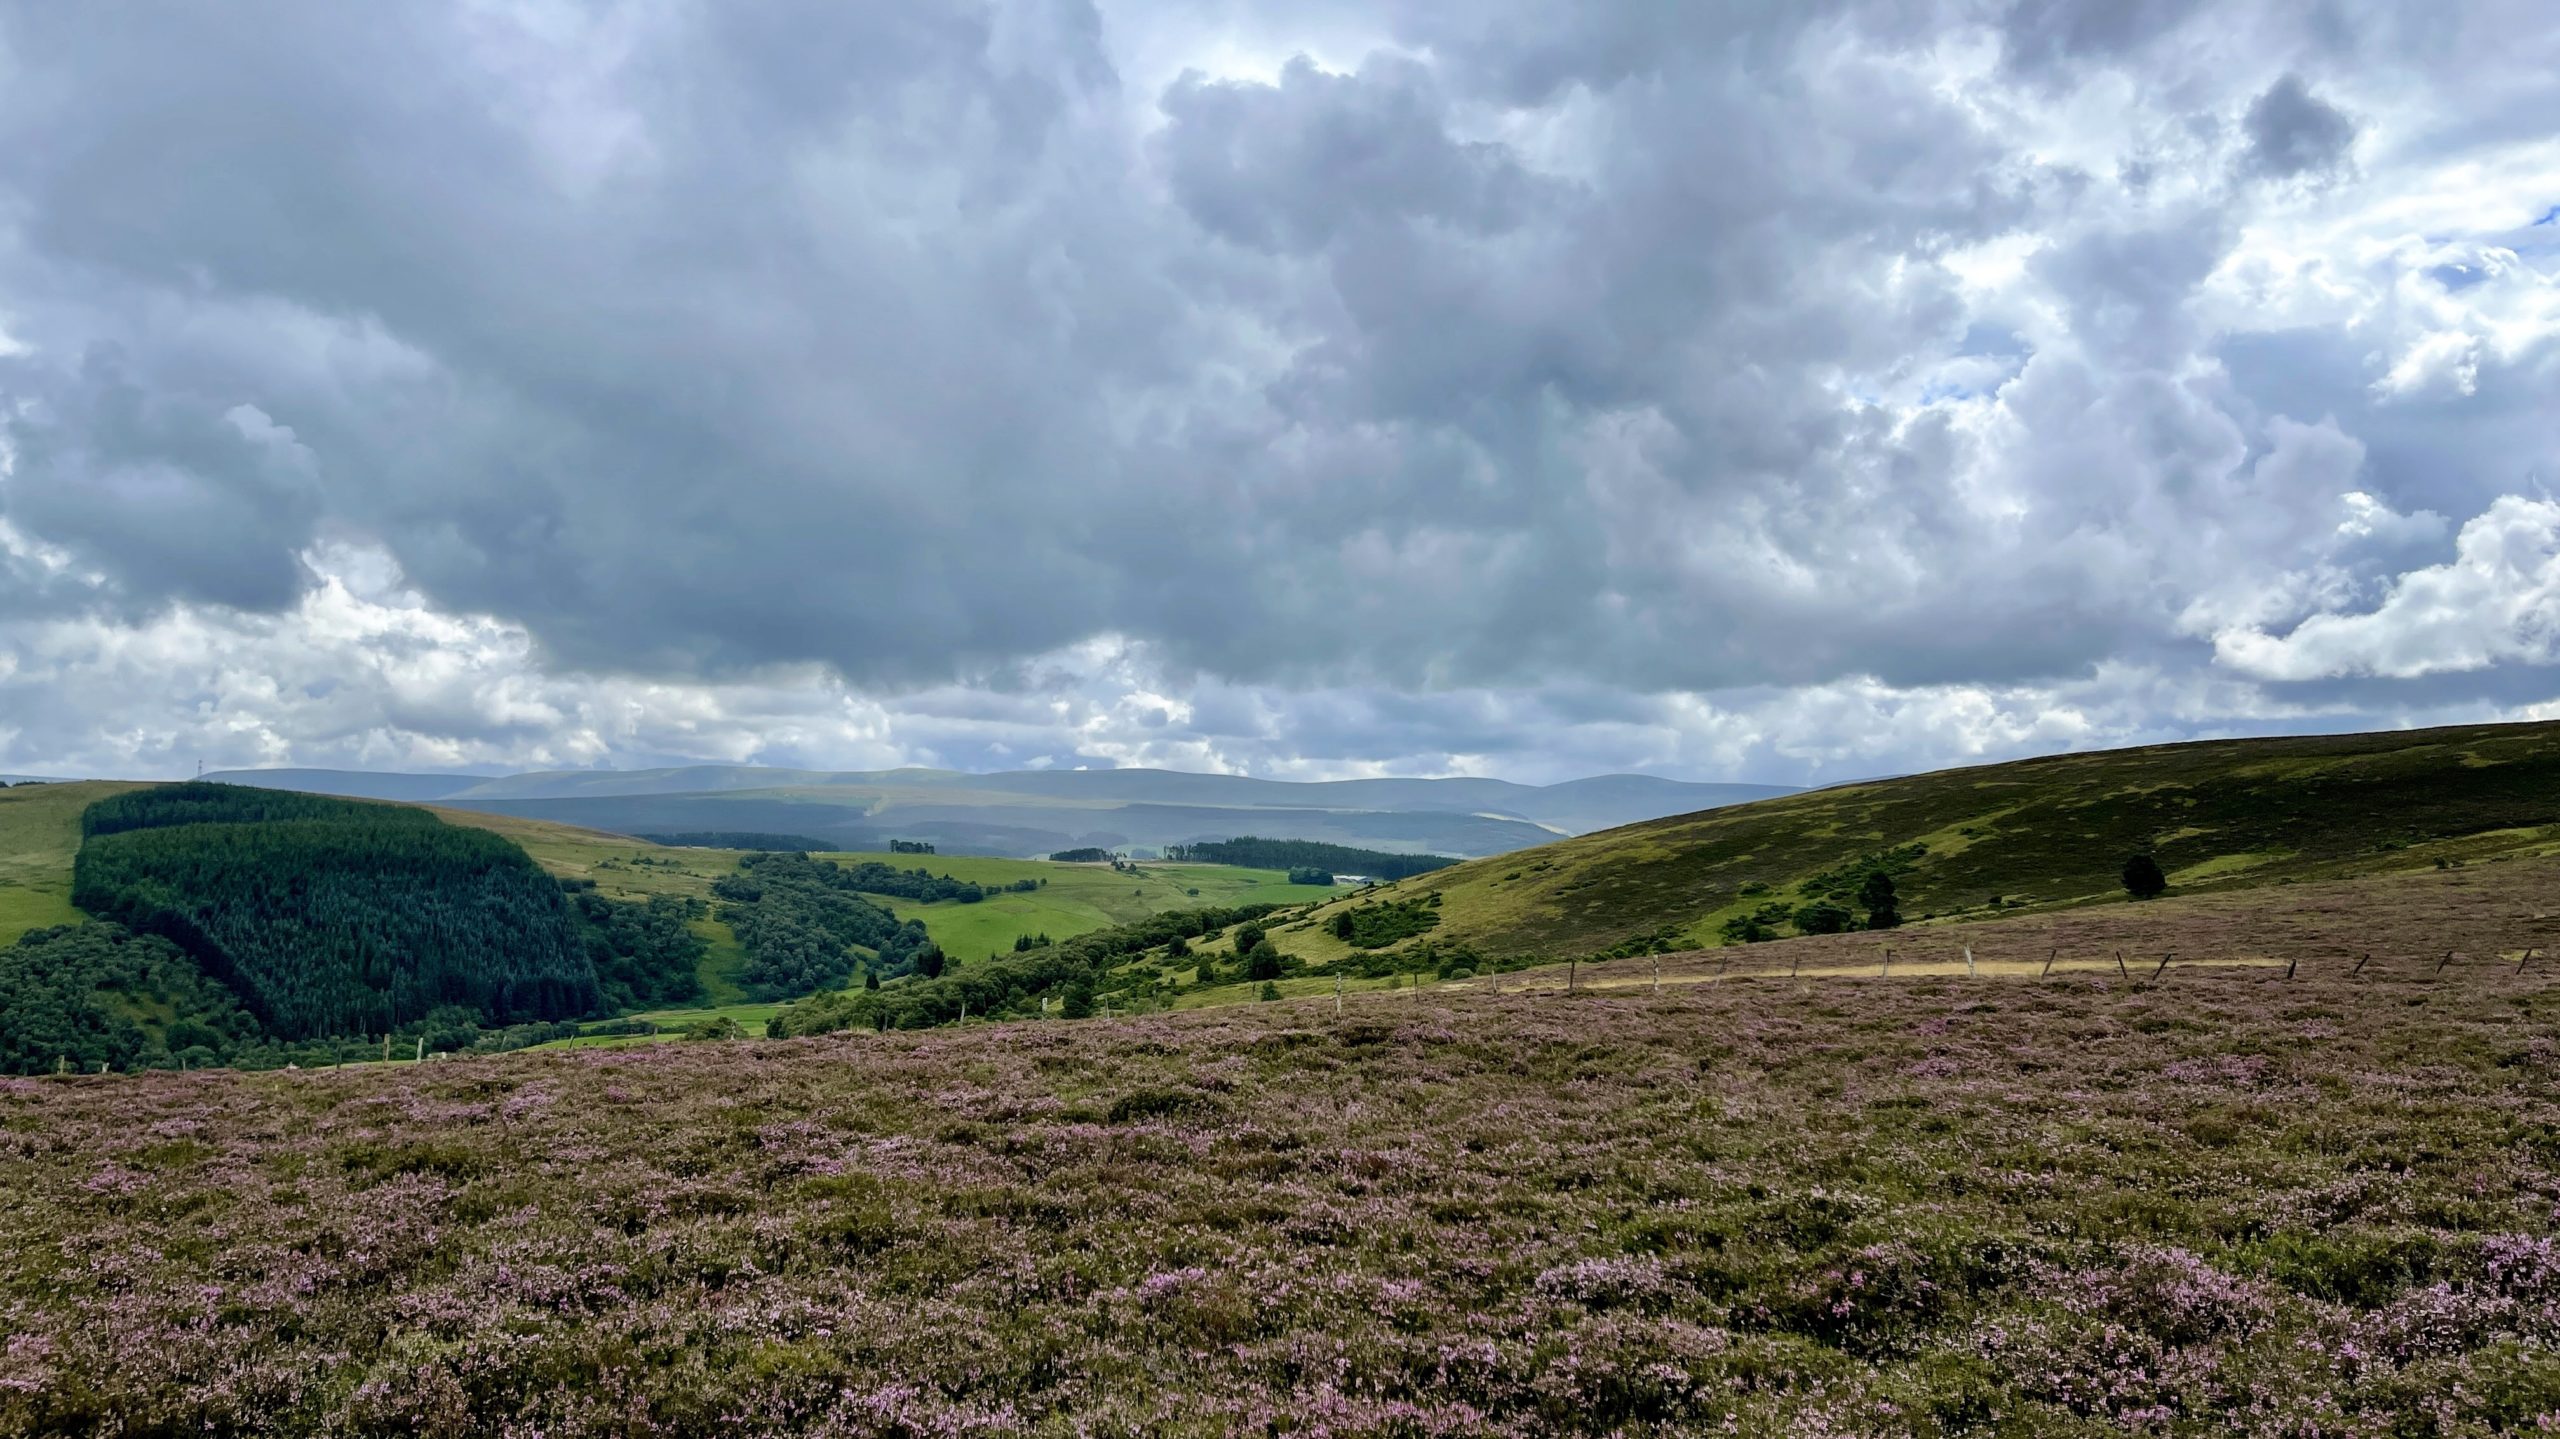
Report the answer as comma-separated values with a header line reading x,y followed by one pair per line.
x,y
2142,877
1821,917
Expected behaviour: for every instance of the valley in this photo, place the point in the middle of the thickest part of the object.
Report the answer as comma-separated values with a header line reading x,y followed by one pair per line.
x,y
1525,1145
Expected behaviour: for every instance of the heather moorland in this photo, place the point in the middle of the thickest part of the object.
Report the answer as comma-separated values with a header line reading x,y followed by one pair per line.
x,y
2227,1202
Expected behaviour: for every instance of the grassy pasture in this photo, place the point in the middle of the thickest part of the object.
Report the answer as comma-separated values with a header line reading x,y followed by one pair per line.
x,y
1078,898
39,834
672,1024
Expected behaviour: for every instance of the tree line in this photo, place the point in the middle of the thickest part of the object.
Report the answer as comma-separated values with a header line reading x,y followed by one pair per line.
x,y
1251,852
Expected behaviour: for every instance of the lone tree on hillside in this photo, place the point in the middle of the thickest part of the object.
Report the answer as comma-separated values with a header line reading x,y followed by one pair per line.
x,y
2142,877
1877,898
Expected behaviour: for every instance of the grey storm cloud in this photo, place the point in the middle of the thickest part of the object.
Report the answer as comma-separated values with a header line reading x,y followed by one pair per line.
x,y
1379,351
2294,132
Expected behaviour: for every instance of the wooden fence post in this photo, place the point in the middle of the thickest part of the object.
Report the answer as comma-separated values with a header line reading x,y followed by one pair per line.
x,y
2360,964
2441,963
2526,958
1798,967
2164,966
2121,971
1572,973
1884,966
1968,961
1337,993
2048,962
1657,974
2289,964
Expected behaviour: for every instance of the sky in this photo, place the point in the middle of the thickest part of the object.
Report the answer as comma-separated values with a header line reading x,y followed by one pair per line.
x,y
1775,390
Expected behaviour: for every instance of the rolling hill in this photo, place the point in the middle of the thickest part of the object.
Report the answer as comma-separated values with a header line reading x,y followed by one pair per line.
x,y
2034,835
1039,812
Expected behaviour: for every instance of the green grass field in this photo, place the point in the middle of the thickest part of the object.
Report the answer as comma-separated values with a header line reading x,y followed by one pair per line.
x,y
1078,898
39,833
673,1022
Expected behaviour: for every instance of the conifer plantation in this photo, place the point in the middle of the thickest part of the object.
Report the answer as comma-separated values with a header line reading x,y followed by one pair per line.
x,y
336,916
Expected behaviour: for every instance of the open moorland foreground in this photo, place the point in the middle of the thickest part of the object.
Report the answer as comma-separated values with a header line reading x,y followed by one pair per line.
x,y
2228,1202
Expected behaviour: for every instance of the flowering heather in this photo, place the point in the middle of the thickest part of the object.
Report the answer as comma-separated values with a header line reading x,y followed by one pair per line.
x,y
2225,1204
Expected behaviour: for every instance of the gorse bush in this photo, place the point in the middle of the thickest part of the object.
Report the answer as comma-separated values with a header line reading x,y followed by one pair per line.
x,y
1376,926
333,916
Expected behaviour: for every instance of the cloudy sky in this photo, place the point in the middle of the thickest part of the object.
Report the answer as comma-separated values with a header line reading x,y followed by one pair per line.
x,y
1763,390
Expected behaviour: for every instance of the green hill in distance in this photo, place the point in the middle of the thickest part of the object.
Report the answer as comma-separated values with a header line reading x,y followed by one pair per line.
x,y
1038,812
1999,839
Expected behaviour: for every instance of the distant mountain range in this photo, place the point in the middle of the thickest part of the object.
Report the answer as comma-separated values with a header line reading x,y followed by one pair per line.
x,y
1029,812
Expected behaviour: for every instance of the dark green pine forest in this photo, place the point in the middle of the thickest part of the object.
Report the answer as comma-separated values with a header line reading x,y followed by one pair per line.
x,y
336,916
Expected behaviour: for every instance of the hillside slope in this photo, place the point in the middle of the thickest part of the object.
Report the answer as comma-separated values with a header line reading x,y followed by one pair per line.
x,y
39,833
1038,812
2034,834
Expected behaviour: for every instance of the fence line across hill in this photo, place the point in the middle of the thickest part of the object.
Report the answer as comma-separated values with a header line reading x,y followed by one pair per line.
x,y
1733,964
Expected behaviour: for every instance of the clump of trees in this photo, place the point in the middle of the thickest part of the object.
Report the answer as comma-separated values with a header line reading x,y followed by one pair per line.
x,y
873,877
1255,853
1082,856
1376,926
1830,907
800,920
1822,916
1074,971
71,998
909,846
1311,874
646,955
